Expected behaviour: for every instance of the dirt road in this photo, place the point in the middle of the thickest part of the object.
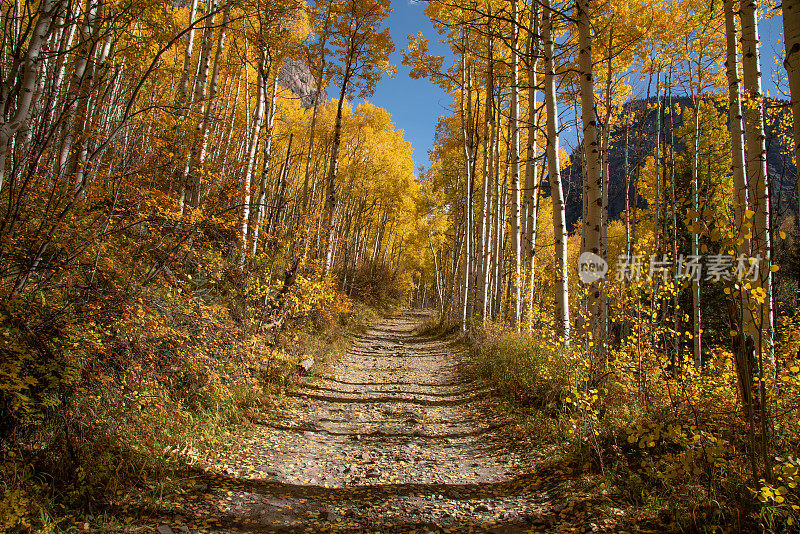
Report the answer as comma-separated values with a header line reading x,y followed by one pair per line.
x,y
394,439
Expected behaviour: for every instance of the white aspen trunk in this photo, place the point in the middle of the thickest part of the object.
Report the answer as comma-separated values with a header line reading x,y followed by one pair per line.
x,y
500,279
79,87
330,193
282,186
488,153
791,40
757,177
389,242
531,171
735,118
605,147
183,85
314,113
515,171
209,109
554,177
191,180
499,220
480,238
605,179
204,61
266,165
258,118
697,349
224,151
32,61
57,87
76,163
92,113
658,166
466,94
593,173
438,277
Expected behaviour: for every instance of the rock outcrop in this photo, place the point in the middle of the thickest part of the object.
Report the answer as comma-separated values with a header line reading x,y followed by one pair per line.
x,y
779,164
295,75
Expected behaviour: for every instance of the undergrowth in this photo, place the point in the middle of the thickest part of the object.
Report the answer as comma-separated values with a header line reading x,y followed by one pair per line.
x,y
116,380
129,431
670,450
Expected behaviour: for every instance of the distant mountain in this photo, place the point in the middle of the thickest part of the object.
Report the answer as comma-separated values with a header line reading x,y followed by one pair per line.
x,y
779,167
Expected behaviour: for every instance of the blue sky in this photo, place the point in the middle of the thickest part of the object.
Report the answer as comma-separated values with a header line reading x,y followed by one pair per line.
x,y
415,105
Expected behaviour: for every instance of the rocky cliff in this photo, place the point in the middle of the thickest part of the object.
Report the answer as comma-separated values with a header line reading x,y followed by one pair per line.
x,y
295,75
780,168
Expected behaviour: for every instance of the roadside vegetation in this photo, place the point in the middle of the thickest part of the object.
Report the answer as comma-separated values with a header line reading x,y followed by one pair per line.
x,y
669,451
145,383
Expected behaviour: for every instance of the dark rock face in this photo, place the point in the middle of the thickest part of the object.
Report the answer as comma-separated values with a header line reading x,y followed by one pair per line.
x,y
641,141
295,75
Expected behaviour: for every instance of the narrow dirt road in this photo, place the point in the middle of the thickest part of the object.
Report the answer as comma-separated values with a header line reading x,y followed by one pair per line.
x,y
393,440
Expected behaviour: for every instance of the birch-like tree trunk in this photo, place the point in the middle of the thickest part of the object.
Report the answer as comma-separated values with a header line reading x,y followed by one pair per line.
x,y
183,85
18,118
466,119
266,164
697,349
191,182
516,251
488,156
330,192
209,108
315,111
531,170
736,126
593,199
554,177
255,134
757,177
80,89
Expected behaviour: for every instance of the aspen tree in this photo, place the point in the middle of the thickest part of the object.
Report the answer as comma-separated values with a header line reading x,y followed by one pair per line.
x,y
266,164
531,173
364,53
466,112
514,185
757,177
562,319
252,151
593,199
80,89
697,349
323,34
488,132
740,193
15,120
191,182
183,85
490,184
